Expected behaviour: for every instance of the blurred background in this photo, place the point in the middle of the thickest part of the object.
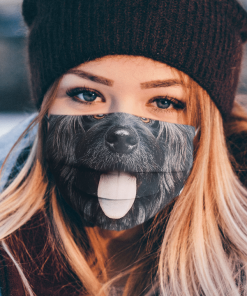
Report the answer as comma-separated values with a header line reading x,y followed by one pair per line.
x,y
15,102
14,87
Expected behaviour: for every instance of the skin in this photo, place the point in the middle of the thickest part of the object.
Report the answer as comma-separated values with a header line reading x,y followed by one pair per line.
x,y
130,84
127,90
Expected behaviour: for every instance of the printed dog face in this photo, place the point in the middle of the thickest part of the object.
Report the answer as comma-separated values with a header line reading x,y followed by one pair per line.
x,y
118,170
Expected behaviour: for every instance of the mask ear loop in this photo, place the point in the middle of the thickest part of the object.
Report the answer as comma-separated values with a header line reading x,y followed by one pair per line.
x,y
49,176
46,117
43,135
44,127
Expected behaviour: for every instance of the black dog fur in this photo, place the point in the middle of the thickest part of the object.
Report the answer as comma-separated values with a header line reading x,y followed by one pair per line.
x,y
78,149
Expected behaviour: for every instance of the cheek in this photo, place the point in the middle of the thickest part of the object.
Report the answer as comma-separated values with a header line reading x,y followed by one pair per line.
x,y
64,106
183,118
174,117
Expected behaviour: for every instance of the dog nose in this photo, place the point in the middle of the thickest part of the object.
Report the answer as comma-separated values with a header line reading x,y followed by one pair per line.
x,y
121,139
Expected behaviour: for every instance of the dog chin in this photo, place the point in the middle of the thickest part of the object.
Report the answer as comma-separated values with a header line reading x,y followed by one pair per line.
x,y
100,207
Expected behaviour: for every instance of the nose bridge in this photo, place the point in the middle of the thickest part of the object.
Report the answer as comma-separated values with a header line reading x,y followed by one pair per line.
x,y
124,102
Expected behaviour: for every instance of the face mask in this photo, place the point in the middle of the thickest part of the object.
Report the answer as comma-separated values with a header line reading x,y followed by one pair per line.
x,y
118,170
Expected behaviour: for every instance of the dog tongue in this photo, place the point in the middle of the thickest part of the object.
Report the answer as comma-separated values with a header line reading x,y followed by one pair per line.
x,y
116,193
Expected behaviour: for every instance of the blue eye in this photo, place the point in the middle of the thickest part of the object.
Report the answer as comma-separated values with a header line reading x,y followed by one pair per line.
x,y
163,103
83,95
168,103
87,96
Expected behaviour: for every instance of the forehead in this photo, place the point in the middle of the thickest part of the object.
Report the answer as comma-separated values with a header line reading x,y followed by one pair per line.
x,y
126,84
134,67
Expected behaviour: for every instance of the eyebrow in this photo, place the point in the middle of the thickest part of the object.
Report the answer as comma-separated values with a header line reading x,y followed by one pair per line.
x,y
109,82
161,83
90,76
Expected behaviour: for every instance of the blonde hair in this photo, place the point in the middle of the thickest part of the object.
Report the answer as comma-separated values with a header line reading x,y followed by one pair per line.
x,y
195,246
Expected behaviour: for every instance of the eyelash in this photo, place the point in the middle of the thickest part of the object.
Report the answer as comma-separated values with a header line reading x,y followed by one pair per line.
x,y
177,105
74,92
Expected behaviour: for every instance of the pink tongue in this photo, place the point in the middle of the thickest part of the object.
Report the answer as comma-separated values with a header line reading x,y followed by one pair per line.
x,y
116,194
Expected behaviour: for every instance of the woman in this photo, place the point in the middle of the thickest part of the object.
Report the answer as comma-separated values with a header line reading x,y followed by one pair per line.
x,y
138,70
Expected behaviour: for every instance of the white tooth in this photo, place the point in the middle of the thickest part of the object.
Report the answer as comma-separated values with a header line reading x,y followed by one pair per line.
x,y
116,194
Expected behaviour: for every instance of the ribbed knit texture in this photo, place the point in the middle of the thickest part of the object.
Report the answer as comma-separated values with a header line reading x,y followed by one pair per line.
x,y
202,38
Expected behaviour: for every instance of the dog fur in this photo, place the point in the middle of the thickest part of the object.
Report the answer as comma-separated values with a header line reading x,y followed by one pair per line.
x,y
77,154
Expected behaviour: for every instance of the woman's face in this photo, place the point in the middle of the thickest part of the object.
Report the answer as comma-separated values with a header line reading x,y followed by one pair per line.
x,y
106,165
130,84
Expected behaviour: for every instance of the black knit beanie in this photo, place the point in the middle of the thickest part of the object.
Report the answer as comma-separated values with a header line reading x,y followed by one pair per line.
x,y
202,38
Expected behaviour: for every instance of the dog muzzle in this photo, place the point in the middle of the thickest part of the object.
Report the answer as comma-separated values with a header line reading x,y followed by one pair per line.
x,y
117,170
